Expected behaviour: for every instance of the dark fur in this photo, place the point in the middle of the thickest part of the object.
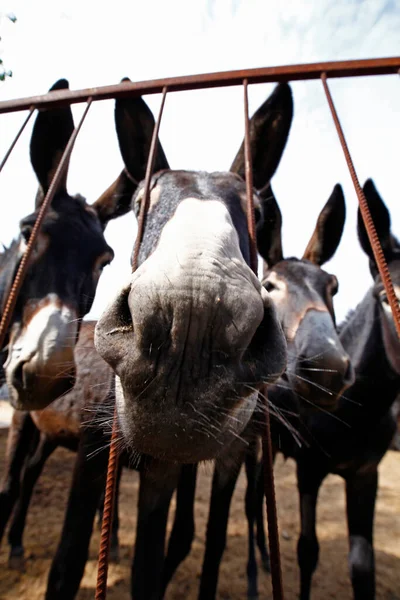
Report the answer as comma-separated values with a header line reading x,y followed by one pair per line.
x,y
158,479
72,234
300,276
353,444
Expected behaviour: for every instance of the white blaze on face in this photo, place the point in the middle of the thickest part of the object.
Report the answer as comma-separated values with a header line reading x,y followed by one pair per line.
x,y
201,232
49,335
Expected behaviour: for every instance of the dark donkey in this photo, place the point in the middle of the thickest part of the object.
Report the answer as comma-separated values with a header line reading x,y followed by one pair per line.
x,y
33,437
62,277
192,337
353,444
318,370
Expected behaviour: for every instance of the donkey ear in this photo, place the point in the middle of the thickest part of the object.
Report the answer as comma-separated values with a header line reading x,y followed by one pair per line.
x,y
50,135
269,131
328,230
381,218
134,123
269,240
116,200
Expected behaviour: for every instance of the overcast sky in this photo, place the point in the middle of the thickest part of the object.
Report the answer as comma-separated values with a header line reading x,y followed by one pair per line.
x,y
92,44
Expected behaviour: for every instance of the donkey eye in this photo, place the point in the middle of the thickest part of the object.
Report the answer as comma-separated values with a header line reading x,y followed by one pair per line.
x,y
26,231
104,264
257,214
383,297
269,286
334,286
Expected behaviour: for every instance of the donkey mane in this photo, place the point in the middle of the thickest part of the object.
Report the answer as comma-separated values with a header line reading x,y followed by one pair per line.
x,y
346,320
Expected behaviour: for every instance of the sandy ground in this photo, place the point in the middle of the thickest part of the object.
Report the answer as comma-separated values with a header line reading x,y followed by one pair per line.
x,y
331,580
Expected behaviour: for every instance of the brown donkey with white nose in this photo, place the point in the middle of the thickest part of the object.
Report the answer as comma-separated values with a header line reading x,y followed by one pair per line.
x,y
193,327
63,272
192,336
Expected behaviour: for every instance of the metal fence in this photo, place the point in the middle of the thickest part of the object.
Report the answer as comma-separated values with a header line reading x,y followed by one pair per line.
x,y
324,72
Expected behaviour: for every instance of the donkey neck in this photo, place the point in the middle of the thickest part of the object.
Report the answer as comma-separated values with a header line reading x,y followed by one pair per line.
x,y
376,385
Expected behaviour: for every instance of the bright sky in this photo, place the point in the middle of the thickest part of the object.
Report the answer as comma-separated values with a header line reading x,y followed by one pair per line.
x,y
92,44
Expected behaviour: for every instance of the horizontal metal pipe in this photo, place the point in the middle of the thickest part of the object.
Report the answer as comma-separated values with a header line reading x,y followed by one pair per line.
x,y
347,68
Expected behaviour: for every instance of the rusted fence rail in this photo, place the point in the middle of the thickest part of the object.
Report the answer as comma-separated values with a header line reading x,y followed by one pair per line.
x,y
345,68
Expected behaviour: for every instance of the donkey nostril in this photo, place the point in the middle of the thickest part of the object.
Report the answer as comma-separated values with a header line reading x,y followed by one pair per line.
x,y
349,374
18,375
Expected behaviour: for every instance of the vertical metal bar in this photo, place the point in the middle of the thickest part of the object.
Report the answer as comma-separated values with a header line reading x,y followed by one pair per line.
x,y
272,514
251,221
268,463
23,266
149,170
109,497
11,148
366,215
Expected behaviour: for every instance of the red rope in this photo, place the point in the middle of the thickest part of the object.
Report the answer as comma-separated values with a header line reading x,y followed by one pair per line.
x,y
366,215
268,464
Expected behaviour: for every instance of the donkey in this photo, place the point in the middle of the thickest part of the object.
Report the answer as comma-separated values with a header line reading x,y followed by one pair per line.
x,y
192,336
353,444
303,294
33,437
68,258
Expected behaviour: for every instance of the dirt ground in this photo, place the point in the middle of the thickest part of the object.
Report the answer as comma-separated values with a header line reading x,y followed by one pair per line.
x,y
331,580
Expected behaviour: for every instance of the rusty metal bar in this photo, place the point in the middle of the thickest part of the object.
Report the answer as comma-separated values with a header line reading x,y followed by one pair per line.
x,y
23,266
108,510
146,188
347,68
269,492
268,463
248,169
366,214
11,148
109,497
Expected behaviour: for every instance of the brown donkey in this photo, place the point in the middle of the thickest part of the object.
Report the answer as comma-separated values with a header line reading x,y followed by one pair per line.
x,y
62,277
192,336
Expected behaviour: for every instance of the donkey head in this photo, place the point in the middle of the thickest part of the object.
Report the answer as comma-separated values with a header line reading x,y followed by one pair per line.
x,y
65,266
319,369
192,335
391,250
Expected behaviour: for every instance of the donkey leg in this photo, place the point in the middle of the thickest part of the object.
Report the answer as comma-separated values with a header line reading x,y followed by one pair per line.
x,y
182,534
87,484
31,474
157,484
21,436
360,496
223,485
252,472
309,481
261,537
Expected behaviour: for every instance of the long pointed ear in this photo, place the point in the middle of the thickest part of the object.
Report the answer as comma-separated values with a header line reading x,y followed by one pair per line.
x,y
50,136
328,230
269,240
116,200
134,123
381,218
269,131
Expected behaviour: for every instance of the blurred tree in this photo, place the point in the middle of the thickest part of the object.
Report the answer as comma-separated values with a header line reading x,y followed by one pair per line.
x,y
4,72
